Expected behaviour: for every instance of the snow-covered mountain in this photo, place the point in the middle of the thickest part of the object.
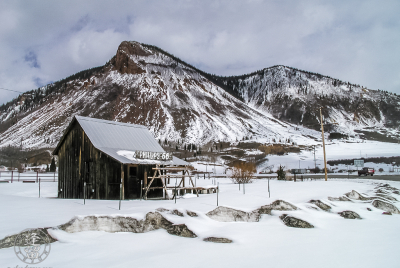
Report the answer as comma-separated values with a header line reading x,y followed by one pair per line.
x,y
295,96
144,85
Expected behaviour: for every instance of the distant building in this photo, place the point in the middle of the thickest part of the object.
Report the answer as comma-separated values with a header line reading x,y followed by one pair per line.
x,y
107,154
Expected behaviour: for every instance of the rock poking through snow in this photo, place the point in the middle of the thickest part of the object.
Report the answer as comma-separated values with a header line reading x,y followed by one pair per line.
x,y
180,230
357,196
226,214
152,221
191,213
321,205
282,205
341,198
294,222
173,212
217,240
276,205
388,197
347,214
265,209
8,241
385,206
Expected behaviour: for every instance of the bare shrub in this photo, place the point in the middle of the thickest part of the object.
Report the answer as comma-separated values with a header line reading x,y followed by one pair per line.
x,y
278,149
243,172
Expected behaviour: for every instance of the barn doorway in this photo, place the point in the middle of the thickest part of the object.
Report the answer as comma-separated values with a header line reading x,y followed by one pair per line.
x,y
133,185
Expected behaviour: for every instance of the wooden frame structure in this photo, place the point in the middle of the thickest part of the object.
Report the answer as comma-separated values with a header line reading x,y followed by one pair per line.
x,y
158,174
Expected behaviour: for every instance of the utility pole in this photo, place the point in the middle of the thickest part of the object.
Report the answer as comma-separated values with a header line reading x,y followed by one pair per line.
x,y
323,144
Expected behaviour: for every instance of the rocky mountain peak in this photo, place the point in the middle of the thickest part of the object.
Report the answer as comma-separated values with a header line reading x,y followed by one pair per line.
x,y
124,61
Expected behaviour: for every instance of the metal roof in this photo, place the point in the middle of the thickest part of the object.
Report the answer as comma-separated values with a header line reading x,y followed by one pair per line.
x,y
123,136
179,162
111,137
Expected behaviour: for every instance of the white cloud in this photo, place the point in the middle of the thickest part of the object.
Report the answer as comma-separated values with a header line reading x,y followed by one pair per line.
x,y
355,41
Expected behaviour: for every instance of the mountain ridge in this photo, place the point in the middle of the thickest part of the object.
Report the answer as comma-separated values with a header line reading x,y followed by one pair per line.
x,y
146,85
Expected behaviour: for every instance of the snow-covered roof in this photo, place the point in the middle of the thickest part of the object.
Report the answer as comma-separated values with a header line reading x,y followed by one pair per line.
x,y
113,137
179,162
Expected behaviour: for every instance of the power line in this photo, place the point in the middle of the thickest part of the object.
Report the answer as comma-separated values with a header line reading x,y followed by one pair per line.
x,y
11,90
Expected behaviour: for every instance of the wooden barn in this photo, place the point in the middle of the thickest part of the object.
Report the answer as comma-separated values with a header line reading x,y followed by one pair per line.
x,y
106,154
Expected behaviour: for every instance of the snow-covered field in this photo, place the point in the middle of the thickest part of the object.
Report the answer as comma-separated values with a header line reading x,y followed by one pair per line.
x,y
372,241
335,150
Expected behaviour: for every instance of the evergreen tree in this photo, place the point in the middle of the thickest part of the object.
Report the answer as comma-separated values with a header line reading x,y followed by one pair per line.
x,y
53,165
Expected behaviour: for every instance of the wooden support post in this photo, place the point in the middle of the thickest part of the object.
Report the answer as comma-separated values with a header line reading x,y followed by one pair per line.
x,y
12,175
141,190
183,178
123,181
190,179
145,178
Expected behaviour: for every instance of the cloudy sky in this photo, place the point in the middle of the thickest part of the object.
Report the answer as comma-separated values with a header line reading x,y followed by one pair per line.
x,y
355,41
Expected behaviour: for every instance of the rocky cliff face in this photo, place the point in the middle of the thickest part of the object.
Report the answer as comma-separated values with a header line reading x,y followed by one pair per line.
x,y
144,85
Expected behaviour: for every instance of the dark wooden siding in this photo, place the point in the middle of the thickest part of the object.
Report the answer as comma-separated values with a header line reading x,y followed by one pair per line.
x,y
80,161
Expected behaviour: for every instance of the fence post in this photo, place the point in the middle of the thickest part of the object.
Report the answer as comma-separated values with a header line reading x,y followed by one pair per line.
x,y
12,176
37,176
84,193
39,187
18,175
54,177
244,191
175,193
269,193
217,192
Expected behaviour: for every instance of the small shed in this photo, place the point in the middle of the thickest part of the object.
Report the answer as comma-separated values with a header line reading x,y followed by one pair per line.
x,y
106,156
